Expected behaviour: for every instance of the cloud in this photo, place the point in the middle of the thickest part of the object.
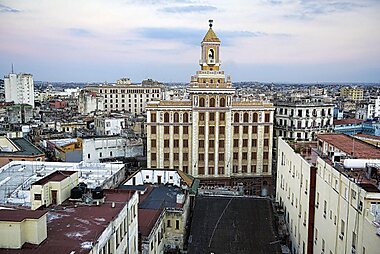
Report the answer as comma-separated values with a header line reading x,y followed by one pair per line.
x,y
194,36
4,8
189,9
309,9
80,32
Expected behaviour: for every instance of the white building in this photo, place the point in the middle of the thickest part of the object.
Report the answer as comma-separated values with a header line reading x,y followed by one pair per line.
x,y
331,202
109,125
301,119
124,96
90,102
368,110
96,149
19,88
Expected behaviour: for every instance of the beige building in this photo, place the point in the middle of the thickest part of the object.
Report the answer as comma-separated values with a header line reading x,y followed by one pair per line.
x,y
210,136
330,201
352,93
123,96
53,189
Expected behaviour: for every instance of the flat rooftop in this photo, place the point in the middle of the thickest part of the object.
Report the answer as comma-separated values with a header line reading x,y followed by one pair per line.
x,y
347,121
18,215
233,225
351,146
159,197
76,229
17,177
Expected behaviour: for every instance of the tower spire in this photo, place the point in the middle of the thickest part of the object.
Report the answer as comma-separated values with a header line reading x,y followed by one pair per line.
x,y
12,69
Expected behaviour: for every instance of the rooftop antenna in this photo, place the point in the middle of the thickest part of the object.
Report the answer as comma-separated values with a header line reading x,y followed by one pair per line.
x,y
12,69
210,22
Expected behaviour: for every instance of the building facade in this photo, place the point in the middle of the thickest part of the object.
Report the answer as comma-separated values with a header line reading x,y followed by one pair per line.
x,y
19,88
90,102
109,125
352,93
302,119
127,97
210,136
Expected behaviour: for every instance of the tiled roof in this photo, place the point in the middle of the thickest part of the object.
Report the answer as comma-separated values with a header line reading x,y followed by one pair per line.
x,y
351,146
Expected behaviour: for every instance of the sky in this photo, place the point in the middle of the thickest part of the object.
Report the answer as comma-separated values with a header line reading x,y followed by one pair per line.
x,y
301,41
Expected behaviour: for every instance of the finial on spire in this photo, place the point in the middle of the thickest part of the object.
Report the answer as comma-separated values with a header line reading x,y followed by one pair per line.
x,y
210,22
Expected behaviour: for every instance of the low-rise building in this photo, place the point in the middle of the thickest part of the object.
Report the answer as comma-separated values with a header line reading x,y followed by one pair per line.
x,y
90,102
109,125
67,150
18,149
106,226
164,208
105,148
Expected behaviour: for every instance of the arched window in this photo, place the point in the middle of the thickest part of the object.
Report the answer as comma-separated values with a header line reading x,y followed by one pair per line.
x,y
245,118
185,117
211,55
166,117
255,117
222,102
236,117
201,102
176,117
212,102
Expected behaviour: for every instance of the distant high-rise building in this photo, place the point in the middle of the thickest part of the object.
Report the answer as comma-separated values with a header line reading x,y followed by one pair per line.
x,y
19,88
210,136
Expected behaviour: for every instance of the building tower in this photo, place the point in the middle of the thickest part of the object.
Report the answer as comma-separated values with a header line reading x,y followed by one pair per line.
x,y
210,136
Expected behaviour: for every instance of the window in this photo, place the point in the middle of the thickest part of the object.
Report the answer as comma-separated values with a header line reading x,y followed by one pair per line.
x,y
254,117
37,196
201,157
166,117
245,142
212,116
176,117
100,154
88,156
244,169
177,224
154,156
236,117
212,102
211,130
342,227
265,168
176,129
201,130
168,224
354,238
185,143
266,129
185,117
185,156
253,168
236,129
244,155
222,117
221,156
236,142
245,129
166,143
266,155
201,102
153,117
221,143
221,130
236,156
185,130
266,142
211,144
176,143
254,142
166,156
245,117
166,129
201,170
254,129
222,102
201,116
153,129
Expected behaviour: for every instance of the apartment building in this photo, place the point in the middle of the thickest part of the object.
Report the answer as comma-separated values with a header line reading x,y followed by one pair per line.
x,y
295,191
19,88
211,136
352,93
109,125
330,194
124,96
302,119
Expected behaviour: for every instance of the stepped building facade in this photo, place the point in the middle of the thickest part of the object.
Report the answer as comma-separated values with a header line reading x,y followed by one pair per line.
x,y
210,135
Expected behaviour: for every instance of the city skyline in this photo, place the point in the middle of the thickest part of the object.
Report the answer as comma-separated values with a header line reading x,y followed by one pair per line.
x,y
267,41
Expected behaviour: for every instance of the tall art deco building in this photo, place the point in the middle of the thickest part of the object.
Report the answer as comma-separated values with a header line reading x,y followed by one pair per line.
x,y
210,136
